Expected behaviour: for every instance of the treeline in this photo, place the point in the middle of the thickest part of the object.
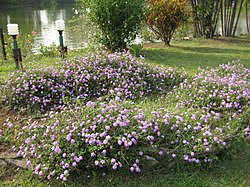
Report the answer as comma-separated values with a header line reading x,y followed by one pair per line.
x,y
33,2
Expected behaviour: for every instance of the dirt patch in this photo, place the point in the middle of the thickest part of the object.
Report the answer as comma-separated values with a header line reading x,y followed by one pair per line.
x,y
5,115
5,147
8,173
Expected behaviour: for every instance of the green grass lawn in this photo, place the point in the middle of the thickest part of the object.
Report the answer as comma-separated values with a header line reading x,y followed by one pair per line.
x,y
199,53
231,170
189,54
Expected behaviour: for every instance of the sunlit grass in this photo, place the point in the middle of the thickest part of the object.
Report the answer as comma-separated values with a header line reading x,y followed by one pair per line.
x,y
199,53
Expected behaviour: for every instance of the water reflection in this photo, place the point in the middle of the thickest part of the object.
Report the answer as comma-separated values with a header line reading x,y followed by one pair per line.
x,y
48,33
43,22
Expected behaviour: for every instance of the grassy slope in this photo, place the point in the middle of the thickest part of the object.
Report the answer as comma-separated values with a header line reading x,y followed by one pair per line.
x,y
232,170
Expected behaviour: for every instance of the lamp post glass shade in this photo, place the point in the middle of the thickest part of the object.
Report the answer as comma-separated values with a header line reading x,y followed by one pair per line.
x,y
60,25
12,29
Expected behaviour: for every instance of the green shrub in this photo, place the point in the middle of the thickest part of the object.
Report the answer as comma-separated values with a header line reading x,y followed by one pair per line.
x,y
118,21
165,16
49,51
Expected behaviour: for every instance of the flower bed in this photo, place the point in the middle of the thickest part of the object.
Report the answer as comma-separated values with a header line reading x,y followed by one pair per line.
x,y
120,75
109,133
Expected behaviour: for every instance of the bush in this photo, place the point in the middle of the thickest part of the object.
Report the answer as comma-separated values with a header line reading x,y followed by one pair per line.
x,y
119,21
165,16
224,89
117,75
49,51
107,135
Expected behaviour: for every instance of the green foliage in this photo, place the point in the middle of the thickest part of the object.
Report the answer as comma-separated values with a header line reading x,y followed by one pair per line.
x,y
136,49
49,51
165,16
25,43
148,35
184,30
205,14
118,21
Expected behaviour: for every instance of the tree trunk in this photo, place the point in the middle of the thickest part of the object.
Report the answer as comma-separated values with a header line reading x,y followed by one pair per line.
x,y
238,17
247,18
230,16
206,15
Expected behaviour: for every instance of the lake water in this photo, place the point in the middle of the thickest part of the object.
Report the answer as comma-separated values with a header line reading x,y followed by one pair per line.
x,y
42,20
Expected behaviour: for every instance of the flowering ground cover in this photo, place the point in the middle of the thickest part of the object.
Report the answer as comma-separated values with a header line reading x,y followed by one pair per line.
x,y
119,75
109,131
138,120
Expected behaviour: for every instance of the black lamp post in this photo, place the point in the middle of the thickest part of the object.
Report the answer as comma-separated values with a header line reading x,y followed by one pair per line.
x,y
13,31
3,44
60,26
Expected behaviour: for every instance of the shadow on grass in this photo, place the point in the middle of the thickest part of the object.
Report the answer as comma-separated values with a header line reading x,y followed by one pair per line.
x,y
192,57
212,50
235,40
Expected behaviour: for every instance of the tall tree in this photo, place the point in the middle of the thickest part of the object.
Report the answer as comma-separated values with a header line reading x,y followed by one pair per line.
x,y
230,13
206,15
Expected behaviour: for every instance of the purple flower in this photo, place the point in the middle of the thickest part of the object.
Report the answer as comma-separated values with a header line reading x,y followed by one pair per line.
x,y
114,167
96,162
105,142
160,153
104,152
58,150
137,169
38,167
66,165
27,141
141,153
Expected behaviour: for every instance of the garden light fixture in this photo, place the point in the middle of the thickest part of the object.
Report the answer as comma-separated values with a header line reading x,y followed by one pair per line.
x,y
13,31
3,44
60,26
